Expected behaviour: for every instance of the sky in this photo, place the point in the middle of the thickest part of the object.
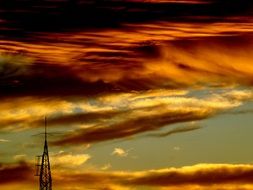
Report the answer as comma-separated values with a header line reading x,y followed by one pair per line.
x,y
138,94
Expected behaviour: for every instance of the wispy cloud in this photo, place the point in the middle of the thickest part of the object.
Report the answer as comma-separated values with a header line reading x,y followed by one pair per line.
x,y
20,157
106,167
120,116
120,152
147,115
176,130
4,140
64,159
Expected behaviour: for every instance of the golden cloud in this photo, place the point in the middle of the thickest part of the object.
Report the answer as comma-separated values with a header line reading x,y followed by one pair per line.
x,y
150,114
120,115
196,177
63,159
201,176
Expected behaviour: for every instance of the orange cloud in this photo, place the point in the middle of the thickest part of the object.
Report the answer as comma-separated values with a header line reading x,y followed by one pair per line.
x,y
196,177
158,55
201,176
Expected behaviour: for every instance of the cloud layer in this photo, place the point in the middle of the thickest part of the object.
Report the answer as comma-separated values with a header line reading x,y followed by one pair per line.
x,y
113,117
149,57
199,176
109,70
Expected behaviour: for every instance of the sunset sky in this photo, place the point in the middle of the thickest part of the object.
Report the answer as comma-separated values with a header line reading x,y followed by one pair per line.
x,y
139,94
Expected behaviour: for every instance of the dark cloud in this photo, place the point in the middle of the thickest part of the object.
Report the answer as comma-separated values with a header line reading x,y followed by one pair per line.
x,y
81,118
176,130
15,173
57,80
132,126
70,119
42,76
27,16
139,66
47,81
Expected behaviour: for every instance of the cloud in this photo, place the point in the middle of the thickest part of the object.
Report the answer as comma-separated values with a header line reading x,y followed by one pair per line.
x,y
107,77
106,167
84,117
120,152
13,65
196,177
172,1
33,82
159,54
4,140
176,130
119,116
151,114
131,126
63,159
201,176
15,173
20,157
67,15
176,148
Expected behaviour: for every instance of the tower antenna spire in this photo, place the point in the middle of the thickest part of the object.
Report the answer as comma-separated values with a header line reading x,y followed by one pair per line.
x,y
45,128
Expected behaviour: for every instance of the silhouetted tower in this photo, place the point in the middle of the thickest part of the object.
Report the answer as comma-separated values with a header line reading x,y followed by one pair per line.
x,y
43,166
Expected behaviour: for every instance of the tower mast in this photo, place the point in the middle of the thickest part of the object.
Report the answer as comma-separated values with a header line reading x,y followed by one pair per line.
x,y
45,178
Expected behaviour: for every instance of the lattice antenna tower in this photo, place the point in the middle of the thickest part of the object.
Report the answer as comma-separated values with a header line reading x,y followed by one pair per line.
x,y
43,166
